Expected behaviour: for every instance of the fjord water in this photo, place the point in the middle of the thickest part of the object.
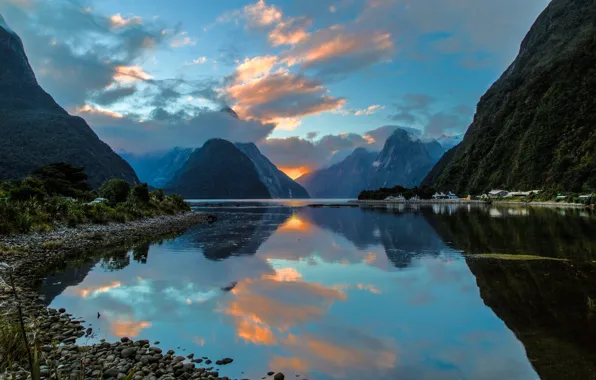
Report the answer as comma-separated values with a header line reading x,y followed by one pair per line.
x,y
350,293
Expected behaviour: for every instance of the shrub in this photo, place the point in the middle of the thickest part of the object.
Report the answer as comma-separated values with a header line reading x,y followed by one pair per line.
x,y
12,346
141,192
115,190
158,195
29,188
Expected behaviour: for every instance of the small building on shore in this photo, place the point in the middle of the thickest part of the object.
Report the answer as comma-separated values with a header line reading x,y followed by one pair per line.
x,y
497,193
440,196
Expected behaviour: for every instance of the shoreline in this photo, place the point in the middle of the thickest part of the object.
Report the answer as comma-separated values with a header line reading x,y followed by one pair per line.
x,y
29,257
464,202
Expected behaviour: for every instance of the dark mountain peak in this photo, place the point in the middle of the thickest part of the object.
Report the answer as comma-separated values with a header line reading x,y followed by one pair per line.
x,y
360,151
248,146
230,111
36,131
218,142
218,170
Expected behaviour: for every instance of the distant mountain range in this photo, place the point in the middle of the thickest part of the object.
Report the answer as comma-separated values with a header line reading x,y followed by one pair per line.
x,y
343,179
405,160
535,127
217,170
36,131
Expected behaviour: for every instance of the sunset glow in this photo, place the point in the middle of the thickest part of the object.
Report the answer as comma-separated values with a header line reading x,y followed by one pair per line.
x,y
294,223
296,172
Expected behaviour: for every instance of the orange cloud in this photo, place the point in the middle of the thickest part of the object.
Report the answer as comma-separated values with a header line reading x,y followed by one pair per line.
x,y
294,223
369,110
117,21
299,365
129,74
255,333
88,109
328,45
253,68
85,292
280,95
316,354
289,32
128,328
258,314
261,14
283,275
370,258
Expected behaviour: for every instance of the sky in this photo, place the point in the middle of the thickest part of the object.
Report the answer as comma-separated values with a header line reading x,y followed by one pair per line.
x,y
310,79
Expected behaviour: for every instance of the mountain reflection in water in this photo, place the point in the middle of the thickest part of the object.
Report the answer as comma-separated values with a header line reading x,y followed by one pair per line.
x,y
343,293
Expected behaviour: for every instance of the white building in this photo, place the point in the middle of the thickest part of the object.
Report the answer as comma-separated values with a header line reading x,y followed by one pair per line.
x,y
497,193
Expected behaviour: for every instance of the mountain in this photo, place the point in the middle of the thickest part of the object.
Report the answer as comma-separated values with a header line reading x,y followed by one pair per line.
x,y
405,160
218,170
158,168
342,180
534,128
276,181
36,131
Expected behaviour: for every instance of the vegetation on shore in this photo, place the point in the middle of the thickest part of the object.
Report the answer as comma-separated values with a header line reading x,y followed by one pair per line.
x,y
59,194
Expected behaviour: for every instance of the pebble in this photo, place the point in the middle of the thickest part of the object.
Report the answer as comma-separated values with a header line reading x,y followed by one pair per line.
x,y
102,360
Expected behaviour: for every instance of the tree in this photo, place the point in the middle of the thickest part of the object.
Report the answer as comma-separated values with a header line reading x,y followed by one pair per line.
x,y
115,190
62,178
141,192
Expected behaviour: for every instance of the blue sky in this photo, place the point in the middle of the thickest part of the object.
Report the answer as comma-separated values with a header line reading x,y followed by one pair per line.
x,y
308,78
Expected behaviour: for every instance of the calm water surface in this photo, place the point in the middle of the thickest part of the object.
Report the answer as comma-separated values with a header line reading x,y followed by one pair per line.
x,y
349,293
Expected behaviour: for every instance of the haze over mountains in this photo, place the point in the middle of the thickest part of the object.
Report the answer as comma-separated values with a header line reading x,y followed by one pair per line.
x,y
36,131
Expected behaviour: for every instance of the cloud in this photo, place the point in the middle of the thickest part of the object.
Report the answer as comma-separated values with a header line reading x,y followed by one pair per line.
x,y
129,74
199,60
304,155
113,94
260,92
337,50
368,110
261,14
117,21
465,27
75,59
421,110
163,129
182,39
440,123
290,32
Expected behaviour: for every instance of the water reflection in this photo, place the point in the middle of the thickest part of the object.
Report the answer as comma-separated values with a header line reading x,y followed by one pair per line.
x,y
351,293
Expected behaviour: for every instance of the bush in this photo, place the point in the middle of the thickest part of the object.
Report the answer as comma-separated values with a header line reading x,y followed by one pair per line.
x,y
158,195
12,345
29,188
141,193
115,190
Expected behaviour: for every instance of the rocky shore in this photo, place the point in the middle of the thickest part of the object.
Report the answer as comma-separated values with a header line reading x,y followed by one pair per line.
x,y
55,332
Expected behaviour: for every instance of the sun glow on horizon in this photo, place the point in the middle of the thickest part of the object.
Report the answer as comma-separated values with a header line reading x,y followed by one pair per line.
x,y
296,172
